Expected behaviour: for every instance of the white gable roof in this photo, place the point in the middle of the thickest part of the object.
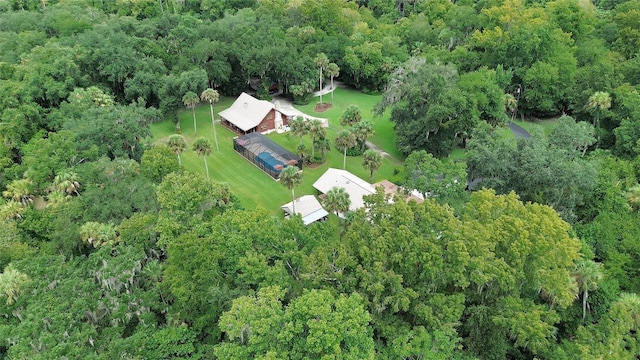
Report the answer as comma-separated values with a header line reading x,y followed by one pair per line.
x,y
353,185
308,207
247,112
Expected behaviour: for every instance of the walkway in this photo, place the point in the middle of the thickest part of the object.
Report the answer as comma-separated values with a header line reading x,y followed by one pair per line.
x,y
283,104
518,131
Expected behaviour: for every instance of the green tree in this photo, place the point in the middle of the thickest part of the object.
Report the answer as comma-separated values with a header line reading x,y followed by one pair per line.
x,y
291,177
442,180
299,127
614,337
598,102
60,150
97,234
159,161
345,140
116,131
178,145
350,116
67,183
103,199
20,191
633,196
202,147
333,70
572,136
430,110
535,168
336,200
316,131
321,61
587,274
323,145
11,281
229,255
302,151
185,198
175,85
510,104
190,100
315,325
12,210
363,130
212,97
371,160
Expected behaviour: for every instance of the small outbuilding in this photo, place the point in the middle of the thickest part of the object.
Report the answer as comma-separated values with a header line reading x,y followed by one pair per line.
x,y
265,154
248,114
394,190
308,207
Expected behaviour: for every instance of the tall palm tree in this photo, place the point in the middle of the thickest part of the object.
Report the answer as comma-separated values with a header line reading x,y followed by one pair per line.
x,y
344,141
316,130
97,234
66,183
202,147
322,144
321,62
363,130
11,280
510,104
299,126
371,160
178,144
302,150
633,196
190,99
597,102
291,177
336,200
212,97
332,71
631,303
11,210
587,274
20,190
350,116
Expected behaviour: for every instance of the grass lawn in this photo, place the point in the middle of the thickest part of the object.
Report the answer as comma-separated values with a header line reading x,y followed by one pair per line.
x,y
545,124
252,185
256,188
384,137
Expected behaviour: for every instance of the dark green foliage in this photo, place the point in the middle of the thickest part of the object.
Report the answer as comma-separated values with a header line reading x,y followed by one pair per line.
x,y
430,110
486,276
78,308
114,190
112,131
537,168
158,162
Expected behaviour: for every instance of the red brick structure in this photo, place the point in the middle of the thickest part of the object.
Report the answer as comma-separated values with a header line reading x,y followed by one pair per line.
x,y
248,114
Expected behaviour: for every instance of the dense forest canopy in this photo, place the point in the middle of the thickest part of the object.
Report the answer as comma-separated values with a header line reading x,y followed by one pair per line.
x,y
110,249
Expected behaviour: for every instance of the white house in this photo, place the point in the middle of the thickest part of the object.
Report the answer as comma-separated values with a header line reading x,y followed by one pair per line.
x,y
353,185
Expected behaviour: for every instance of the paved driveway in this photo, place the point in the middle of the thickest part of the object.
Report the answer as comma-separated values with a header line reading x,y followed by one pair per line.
x,y
518,131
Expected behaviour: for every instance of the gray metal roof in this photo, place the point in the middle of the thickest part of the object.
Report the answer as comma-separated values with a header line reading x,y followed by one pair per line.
x,y
308,207
247,112
353,185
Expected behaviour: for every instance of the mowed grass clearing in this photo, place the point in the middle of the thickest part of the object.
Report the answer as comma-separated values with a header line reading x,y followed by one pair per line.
x,y
254,187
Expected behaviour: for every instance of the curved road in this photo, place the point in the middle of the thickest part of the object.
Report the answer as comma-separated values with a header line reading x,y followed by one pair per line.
x,y
518,131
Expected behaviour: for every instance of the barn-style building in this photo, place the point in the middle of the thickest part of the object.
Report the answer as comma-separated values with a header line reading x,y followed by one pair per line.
x,y
248,115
